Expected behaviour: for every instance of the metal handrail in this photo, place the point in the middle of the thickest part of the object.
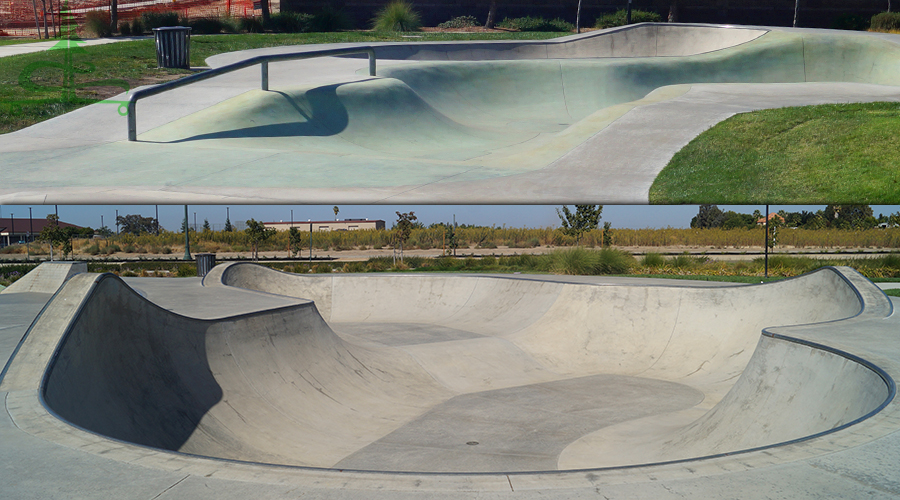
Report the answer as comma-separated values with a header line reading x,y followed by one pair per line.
x,y
263,61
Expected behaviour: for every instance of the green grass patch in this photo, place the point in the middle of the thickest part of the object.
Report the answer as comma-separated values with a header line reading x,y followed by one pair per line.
x,y
893,292
834,153
32,87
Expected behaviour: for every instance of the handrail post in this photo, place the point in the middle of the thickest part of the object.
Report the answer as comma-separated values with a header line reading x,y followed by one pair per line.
x,y
264,68
371,53
132,119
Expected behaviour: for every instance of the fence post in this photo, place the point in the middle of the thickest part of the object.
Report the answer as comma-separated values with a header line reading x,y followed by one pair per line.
x,y
264,69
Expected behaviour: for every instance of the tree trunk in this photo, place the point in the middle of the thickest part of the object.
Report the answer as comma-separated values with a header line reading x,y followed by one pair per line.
x,y
796,11
492,14
113,15
578,18
673,12
44,16
37,22
265,12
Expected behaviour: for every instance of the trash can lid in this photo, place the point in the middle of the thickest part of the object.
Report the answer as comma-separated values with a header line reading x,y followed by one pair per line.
x,y
172,28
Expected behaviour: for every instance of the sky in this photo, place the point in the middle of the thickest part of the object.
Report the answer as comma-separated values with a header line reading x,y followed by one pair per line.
x,y
171,216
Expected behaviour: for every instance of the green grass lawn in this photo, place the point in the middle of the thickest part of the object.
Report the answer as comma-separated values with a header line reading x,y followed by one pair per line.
x,y
31,85
842,153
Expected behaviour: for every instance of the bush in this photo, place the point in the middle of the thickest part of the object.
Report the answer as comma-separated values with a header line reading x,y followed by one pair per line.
x,y
619,17
250,25
536,24
573,261
205,25
184,270
379,263
652,259
330,19
886,21
612,261
397,16
125,28
460,22
97,23
290,22
853,22
150,20
137,27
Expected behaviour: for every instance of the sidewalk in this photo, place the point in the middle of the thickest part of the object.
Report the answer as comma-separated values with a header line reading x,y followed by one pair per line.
x,y
28,48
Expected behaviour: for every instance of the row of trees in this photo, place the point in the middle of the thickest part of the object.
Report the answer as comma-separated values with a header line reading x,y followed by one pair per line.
x,y
831,217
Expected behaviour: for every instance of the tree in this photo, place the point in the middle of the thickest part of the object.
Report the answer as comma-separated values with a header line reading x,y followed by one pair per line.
x,y
228,227
55,235
709,216
336,210
295,241
849,216
258,232
607,234
492,15
585,218
136,224
404,226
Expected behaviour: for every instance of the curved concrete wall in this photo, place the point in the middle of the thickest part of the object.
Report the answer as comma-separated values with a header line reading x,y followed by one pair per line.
x,y
278,386
522,112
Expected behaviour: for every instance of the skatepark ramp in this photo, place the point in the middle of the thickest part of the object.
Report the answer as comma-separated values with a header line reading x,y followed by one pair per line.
x,y
443,373
518,107
47,277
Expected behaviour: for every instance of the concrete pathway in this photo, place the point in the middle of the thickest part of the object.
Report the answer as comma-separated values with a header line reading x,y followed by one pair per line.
x,y
28,48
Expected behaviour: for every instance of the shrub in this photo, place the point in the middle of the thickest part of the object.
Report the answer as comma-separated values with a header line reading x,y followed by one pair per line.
x,y
619,17
853,22
150,20
529,23
397,16
250,25
290,22
184,270
573,261
652,259
125,28
322,268
137,28
414,261
886,21
460,22
97,23
612,261
330,19
379,263
92,250
354,267
204,25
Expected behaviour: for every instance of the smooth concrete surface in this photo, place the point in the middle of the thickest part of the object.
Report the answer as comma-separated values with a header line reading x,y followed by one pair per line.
x,y
586,118
47,277
242,385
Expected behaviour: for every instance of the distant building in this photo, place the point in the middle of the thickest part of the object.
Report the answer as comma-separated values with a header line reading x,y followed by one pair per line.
x,y
777,218
328,225
23,230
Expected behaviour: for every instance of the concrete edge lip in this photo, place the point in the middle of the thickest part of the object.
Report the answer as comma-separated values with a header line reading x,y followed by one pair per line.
x,y
29,409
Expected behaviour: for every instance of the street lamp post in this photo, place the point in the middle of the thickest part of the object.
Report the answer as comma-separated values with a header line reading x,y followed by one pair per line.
x,y
187,238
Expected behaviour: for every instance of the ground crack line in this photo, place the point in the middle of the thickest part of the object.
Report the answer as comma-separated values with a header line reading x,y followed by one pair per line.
x,y
163,492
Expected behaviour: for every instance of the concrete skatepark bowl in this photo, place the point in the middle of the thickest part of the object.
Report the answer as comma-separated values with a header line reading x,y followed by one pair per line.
x,y
584,118
390,385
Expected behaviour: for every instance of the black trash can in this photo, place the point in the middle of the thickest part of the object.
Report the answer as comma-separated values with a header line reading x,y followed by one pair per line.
x,y
205,262
173,47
